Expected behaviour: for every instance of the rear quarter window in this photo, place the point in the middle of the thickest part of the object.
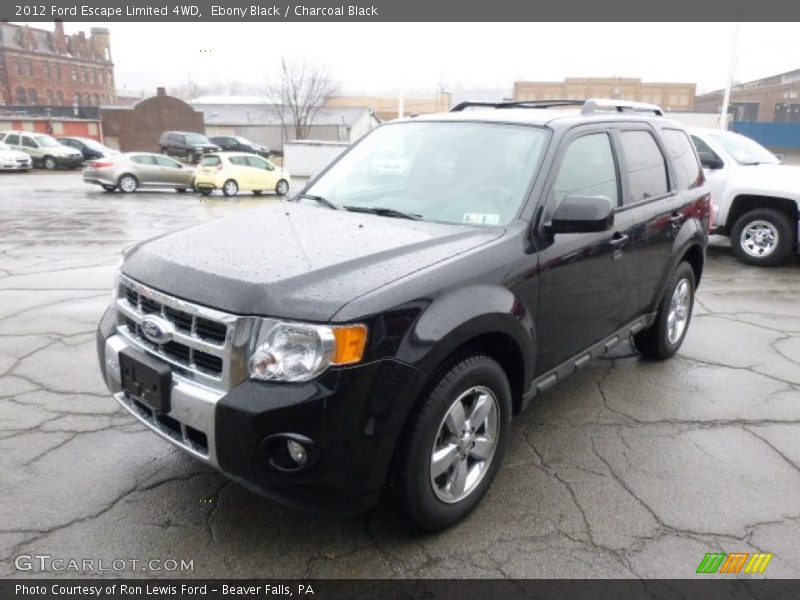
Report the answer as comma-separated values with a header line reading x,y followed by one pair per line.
x,y
210,161
688,172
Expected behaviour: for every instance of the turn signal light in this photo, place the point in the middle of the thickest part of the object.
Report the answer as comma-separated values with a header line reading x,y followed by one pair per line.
x,y
350,343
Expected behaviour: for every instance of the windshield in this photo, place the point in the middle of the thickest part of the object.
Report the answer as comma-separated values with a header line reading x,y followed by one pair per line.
x,y
744,150
196,138
457,172
45,141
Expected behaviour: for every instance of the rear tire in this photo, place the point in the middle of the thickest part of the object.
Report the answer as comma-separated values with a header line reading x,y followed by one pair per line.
x,y
50,163
440,437
180,190
664,337
230,188
190,157
762,237
109,188
205,191
127,183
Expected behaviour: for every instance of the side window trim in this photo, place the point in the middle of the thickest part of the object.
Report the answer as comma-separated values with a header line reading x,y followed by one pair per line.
x,y
671,188
555,169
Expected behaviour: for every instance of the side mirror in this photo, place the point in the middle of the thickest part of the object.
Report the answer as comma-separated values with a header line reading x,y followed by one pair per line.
x,y
711,161
582,214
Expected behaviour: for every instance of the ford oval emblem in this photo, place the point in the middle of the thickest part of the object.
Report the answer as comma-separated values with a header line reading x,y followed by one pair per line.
x,y
156,329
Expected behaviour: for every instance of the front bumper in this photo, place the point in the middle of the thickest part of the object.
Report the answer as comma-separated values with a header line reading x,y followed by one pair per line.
x,y
16,165
354,417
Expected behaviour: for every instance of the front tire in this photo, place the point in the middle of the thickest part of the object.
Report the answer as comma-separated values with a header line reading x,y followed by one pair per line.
x,y
190,157
230,188
127,183
50,163
762,237
664,337
109,188
282,187
205,191
452,447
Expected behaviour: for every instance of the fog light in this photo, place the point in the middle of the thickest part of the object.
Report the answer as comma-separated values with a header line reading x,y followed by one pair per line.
x,y
297,452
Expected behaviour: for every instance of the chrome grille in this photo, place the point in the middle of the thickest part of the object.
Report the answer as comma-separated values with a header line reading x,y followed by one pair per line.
x,y
203,345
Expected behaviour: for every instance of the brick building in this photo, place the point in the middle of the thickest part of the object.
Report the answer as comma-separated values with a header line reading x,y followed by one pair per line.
x,y
51,68
138,127
775,98
670,96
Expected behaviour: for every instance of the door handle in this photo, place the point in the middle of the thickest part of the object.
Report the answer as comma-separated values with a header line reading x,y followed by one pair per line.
x,y
677,219
619,240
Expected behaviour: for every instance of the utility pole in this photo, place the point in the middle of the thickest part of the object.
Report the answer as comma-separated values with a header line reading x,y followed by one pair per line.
x,y
726,97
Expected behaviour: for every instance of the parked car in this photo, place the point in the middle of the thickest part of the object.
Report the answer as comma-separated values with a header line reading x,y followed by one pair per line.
x,y
14,160
233,172
368,338
756,199
91,149
187,144
44,150
132,170
236,143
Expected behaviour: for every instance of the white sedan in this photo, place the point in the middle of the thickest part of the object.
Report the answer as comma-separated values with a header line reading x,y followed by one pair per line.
x,y
13,160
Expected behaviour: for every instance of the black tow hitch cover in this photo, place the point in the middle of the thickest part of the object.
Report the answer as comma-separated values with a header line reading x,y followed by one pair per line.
x,y
146,380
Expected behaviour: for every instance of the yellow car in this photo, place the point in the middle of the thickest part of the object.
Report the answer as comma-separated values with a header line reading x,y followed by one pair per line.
x,y
235,171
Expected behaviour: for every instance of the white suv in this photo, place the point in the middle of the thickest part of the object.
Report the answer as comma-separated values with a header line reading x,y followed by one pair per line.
x,y
755,199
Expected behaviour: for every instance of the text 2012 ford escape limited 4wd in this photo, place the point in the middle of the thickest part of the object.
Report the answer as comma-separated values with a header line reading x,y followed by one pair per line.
x,y
378,332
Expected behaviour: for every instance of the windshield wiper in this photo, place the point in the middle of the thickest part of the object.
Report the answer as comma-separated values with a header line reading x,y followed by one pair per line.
x,y
319,199
384,212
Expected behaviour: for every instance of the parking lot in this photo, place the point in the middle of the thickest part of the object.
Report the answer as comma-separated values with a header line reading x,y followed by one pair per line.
x,y
628,469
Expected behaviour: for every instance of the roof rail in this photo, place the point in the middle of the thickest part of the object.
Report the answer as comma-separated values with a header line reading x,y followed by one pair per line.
x,y
517,104
593,105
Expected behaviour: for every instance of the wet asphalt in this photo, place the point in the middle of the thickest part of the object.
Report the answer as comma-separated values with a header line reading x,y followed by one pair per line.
x,y
628,469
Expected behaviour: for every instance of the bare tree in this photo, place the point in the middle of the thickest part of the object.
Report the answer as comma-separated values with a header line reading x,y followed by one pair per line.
x,y
298,94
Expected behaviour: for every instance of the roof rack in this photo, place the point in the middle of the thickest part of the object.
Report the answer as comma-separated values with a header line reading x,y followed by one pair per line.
x,y
593,105
588,107
517,104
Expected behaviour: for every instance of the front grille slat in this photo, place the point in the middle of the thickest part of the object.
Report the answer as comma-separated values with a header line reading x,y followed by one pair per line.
x,y
198,344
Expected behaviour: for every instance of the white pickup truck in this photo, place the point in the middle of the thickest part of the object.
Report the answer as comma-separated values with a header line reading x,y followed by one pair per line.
x,y
755,199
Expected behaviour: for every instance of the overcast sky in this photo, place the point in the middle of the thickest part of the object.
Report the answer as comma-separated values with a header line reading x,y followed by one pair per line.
x,y
376,57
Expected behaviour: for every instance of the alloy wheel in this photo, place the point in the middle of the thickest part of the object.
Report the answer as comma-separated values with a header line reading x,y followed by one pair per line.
x,y
465,445
679,306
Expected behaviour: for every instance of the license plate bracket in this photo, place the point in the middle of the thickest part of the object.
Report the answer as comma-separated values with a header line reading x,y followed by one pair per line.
x,y
146,380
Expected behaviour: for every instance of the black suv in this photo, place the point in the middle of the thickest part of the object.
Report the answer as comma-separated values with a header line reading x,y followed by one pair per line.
x,y
187,144
377,332
236,143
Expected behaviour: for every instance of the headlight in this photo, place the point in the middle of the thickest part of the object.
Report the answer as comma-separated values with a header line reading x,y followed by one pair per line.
x,y
299,351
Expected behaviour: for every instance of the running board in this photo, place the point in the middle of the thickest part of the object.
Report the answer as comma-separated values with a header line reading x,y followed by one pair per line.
x,y
580,360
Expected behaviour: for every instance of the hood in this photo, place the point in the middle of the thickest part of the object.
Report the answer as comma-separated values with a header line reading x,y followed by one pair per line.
x,y
63,151
773,172
13,155
295,261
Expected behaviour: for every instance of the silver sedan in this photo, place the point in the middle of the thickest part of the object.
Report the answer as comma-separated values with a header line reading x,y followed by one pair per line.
x,y
132,170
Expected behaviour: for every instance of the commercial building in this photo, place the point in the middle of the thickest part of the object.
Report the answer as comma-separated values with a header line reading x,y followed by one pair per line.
x,y
670,96
50,68
139,127
388,107
771,99
264,123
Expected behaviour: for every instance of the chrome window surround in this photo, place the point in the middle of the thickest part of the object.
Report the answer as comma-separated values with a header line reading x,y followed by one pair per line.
x,y
233,352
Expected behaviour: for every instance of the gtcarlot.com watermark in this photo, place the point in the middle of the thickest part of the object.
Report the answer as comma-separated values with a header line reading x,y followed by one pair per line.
x,y
53,564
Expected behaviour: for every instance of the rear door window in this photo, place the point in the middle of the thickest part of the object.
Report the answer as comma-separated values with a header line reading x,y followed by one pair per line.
x,y
688,172
143,159
240,161
647,169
